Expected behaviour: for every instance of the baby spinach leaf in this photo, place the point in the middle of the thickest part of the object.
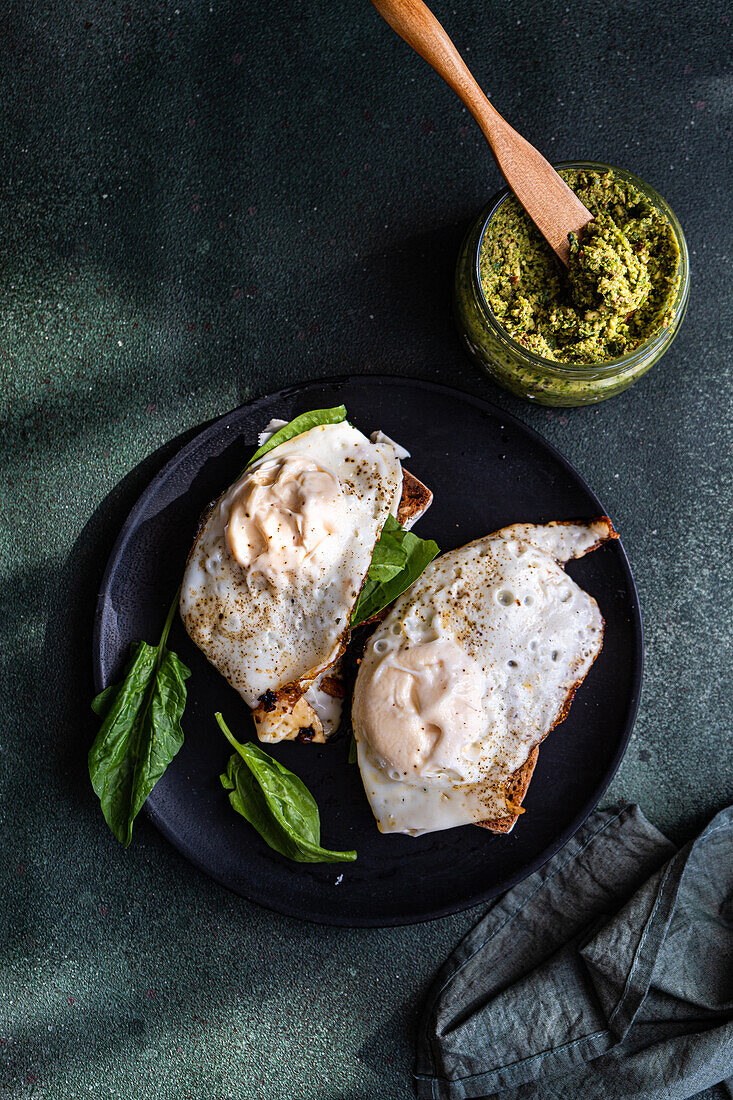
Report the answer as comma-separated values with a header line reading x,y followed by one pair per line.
x,y
141,731
276,802
399,558
302,423
390,556
246,797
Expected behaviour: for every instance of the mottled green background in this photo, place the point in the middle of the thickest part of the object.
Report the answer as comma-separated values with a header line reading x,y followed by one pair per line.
x,y
204,203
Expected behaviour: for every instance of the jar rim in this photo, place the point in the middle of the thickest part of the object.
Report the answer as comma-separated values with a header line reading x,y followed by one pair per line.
x,y
608,366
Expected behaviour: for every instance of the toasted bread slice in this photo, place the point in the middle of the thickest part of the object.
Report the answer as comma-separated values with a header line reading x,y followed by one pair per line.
x,y
415,500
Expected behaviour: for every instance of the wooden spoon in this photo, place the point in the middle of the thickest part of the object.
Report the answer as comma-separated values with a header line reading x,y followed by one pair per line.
x,y
552,206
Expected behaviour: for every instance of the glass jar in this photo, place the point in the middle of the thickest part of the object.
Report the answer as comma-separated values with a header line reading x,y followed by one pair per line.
x,y
530,375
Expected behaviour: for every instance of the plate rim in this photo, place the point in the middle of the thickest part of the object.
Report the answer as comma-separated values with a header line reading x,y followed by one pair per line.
x,y
334,920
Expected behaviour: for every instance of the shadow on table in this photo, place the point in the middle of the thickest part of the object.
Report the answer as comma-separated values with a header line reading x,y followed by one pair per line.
x,y
57,684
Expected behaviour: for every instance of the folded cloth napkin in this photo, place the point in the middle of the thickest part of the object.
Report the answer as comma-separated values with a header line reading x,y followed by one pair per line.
x,y
607,973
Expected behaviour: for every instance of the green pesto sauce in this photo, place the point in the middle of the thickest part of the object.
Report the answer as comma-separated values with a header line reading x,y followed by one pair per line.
x,y
619,288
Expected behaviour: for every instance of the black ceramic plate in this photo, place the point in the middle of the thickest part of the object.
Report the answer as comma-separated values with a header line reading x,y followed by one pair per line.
x,y
486,470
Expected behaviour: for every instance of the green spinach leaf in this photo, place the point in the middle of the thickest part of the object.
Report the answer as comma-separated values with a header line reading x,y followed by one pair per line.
x,y
399,558
141,731
101,703
276,802
302,423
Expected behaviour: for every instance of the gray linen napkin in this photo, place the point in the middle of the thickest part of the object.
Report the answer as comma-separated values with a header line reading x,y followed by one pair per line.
x,y
607,973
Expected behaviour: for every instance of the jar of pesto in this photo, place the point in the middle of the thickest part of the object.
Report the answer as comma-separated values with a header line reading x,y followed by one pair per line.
x,y
579,336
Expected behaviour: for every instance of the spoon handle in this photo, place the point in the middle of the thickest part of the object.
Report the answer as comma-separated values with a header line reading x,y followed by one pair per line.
x,y
415,23
550,203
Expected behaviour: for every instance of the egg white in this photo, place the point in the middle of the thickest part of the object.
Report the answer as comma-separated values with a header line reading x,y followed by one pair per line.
x,y
470,670
268,637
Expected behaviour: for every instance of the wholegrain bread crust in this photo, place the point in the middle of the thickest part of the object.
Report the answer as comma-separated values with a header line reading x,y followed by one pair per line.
x,y
415,500
515,790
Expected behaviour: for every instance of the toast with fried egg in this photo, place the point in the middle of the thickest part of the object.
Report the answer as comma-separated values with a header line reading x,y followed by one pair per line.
x,y
468,673
279,561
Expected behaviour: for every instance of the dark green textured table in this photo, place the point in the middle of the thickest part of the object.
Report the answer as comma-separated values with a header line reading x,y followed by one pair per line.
x,y
208,202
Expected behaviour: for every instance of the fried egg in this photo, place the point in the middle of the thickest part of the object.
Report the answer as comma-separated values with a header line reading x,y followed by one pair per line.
x,y
277,567
470,670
